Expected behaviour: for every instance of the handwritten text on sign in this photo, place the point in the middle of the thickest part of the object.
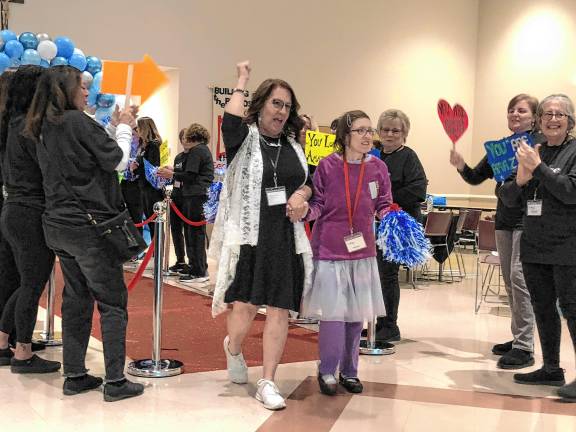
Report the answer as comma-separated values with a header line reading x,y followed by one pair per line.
x,y
502,154
318,146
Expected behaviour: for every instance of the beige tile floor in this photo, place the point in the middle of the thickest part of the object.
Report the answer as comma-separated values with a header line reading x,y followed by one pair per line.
x,y
437,381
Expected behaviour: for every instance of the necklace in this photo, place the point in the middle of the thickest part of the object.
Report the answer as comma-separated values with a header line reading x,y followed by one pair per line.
x,y
269,144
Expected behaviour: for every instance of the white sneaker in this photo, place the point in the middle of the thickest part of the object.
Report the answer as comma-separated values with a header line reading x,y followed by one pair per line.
x,y
237,369
269,395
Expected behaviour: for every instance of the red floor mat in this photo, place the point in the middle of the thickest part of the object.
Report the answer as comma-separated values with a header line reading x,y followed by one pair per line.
x,y
189,333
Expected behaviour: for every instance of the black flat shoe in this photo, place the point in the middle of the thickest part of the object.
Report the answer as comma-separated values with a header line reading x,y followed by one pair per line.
x,y
74,386
34,365
329,389
352,385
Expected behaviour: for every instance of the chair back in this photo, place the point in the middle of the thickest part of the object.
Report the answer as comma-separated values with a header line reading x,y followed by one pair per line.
x,y
438,224
472,219
487,235
462,215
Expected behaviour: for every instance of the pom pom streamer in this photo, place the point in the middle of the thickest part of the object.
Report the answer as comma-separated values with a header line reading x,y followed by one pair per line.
x,y
211,205
401,239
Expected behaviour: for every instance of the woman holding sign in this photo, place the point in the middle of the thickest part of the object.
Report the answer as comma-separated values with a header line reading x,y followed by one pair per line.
x,y
545,186
262,250
518,353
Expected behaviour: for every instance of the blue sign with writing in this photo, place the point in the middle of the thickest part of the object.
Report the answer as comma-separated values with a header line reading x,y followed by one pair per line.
x,y
502,154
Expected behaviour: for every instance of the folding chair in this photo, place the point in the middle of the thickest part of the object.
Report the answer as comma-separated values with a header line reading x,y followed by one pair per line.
x,y
469,234
486,256
438,226
462,215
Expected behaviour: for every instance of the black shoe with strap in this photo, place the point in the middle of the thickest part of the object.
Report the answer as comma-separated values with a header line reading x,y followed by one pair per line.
x,y
329,389
542,377
352,385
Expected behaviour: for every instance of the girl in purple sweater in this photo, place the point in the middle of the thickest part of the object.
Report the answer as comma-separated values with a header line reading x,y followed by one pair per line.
x,y
350,188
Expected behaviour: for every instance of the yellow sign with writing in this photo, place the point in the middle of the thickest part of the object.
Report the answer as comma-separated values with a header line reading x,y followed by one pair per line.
x,y
318,146
164,153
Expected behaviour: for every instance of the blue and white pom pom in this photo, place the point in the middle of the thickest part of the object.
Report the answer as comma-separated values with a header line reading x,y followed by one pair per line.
x,y
401,238
151,172
211,205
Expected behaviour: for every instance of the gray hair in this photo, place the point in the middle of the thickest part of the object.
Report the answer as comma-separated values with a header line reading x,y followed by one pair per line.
x,y
392,114
568,107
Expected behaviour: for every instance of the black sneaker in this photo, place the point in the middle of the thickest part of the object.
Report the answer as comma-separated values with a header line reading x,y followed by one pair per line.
x,y
516,359
541,377
568,392
6,355
352,385
388,334
122,390
501,349
176,269
34,365
77,385
328,386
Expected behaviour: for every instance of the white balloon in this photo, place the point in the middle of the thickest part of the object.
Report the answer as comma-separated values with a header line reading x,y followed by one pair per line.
x,y
87,79
79,51
47,50
42,37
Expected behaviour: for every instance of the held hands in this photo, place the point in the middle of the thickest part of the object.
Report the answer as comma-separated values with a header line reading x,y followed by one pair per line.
x,y
296,208
166,172
528,160
456,160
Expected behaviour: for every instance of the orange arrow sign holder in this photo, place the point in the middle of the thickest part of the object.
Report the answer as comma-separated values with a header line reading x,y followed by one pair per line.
x,y
132,78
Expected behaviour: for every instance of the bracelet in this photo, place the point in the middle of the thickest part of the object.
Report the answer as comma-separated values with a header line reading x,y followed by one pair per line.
x,y
238,90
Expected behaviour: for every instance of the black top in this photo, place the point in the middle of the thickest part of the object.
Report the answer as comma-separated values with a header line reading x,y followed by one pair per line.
x,y
408,179
81,151
179,163
23,178
152,154
551,237
194,169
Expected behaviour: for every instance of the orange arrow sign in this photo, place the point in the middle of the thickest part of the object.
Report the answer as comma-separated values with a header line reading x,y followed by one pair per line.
x,y
147,77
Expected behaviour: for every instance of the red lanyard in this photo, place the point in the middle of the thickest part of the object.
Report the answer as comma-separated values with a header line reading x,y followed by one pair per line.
x,y
352,211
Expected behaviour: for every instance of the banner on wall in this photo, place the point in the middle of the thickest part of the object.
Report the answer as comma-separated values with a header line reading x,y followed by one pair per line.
x,y
502,154
220,97
318,146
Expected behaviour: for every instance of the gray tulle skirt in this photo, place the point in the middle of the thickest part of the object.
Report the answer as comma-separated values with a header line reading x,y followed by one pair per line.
x,y
344,291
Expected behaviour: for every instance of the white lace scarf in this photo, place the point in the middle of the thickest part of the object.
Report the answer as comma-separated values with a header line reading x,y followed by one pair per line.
x,y
237,221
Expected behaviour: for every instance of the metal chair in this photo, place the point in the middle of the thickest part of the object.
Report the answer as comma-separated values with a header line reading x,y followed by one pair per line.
x,y
469,235
487,256
462,215
438,226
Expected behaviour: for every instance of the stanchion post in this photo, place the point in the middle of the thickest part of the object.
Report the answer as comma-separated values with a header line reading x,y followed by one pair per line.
x,y
167,200
47,335
156,367
371,346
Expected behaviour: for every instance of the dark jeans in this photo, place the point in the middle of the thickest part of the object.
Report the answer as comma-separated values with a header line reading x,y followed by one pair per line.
x,y
150,196
177,230
132,198
90,275
195,235
22,228
390,290
547,283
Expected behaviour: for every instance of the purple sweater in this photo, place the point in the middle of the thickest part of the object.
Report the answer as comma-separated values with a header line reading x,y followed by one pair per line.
x,y
328,206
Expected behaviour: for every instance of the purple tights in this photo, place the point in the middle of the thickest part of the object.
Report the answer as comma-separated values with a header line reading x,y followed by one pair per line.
x,y
339,344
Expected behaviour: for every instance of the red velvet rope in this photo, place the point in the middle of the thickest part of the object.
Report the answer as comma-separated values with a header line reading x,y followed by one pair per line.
x,y
181,216
147,221
142,267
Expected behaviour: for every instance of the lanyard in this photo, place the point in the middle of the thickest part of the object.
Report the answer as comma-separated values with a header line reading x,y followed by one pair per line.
x,y
274,162
351,210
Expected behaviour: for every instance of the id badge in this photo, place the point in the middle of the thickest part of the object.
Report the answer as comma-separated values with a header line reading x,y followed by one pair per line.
x,y
276,196
355,242
177,184
373,189
534,208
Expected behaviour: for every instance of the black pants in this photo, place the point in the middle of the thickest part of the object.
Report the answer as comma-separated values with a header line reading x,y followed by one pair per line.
x,y
9,282
195,235
132,198
90,275
22,228
390,290
150,196
546,284
177,230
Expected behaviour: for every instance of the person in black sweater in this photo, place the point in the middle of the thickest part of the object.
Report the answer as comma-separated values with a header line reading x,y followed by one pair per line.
x,y
193,171
545,185
518,353
408,191
150,141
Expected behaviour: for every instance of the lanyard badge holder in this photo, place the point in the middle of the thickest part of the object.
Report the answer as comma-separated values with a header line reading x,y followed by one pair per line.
x,y
355,241
276,195
534,206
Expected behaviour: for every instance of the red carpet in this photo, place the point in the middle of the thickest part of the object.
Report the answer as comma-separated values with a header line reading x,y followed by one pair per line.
x,y
190,334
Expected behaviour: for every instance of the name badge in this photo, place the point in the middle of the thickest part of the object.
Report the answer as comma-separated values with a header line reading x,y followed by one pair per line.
x,y
373,189
177,184
276,196
534,208
355,242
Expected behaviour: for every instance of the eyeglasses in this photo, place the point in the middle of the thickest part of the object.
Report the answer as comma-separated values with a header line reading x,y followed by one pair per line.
x,y
280,104
363,131
551,115
386,131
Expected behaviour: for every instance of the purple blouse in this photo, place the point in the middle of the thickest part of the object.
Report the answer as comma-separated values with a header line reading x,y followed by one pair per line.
x,y
328,206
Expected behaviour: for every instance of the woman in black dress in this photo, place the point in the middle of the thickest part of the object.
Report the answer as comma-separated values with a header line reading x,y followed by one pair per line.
x,y
264,255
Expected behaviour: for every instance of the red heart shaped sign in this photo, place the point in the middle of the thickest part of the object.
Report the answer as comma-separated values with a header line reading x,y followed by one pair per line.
x,y
454,120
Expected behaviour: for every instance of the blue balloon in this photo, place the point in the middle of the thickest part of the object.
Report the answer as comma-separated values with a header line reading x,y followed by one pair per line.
x,y
65,47
44,63
31,57
94,89
4,62
15,63
93,65
14,49
8,35
28,40
103,115
78,61
59,61
105,100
